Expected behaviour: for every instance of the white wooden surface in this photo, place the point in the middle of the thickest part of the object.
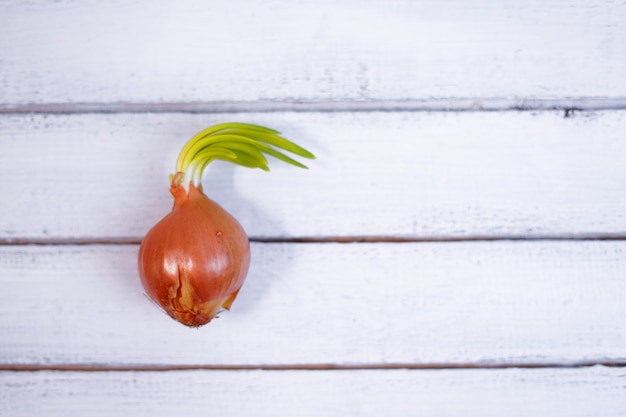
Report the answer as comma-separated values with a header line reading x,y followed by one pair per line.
x,y
491,393
380,303
408,174
192,50
482,241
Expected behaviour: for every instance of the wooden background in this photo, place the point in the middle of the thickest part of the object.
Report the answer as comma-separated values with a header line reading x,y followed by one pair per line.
x,y
458,247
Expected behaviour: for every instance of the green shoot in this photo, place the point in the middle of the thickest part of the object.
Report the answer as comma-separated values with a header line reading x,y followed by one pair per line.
x,y
240,143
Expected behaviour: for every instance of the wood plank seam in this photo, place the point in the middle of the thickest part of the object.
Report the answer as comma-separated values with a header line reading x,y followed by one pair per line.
x,y
568,105
333,239
309,367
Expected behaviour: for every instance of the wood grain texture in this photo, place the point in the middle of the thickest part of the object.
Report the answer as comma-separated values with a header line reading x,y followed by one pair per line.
x,y
193,50
583,392
410,174
412,303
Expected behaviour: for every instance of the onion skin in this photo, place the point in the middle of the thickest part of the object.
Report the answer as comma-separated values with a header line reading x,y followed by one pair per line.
x,y
194,261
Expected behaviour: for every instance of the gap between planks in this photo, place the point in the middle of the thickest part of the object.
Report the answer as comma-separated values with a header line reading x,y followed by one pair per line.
x,y
329,239
308,367
568,105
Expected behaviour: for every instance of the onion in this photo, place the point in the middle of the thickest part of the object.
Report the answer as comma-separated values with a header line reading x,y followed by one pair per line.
x,y
194,261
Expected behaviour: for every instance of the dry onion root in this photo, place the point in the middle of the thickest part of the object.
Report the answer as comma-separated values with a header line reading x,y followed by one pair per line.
x,y
194,261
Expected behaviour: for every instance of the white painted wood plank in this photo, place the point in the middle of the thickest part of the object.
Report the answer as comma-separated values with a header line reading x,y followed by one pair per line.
x,y
193,50
416,303
408,174
598,392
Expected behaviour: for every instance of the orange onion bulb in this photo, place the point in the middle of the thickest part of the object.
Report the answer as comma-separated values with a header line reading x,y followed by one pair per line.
x,y
194,261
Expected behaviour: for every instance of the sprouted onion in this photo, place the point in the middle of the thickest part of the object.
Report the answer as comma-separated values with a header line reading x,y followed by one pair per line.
x,y
194,261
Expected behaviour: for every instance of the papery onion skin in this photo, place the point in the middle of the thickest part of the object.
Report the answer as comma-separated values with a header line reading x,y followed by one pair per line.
x,y
194,261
